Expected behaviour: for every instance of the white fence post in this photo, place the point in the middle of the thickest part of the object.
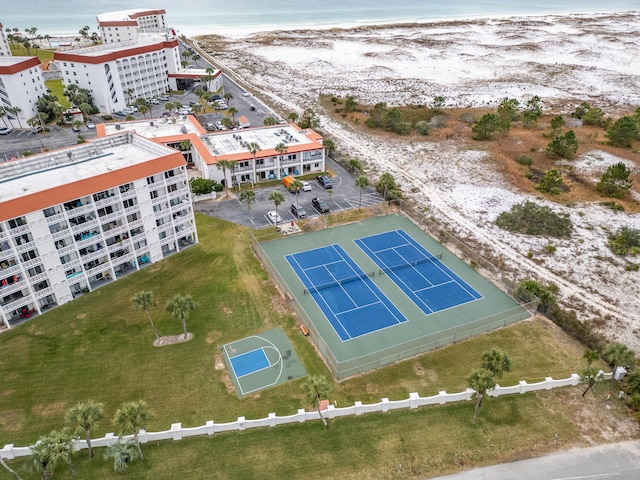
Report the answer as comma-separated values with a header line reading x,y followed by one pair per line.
x,y
302,415
443,397
241,421
549,381
523,386
575,379
142,436
414,398
358,408
7,452
272,419
176,431
385,405
209,426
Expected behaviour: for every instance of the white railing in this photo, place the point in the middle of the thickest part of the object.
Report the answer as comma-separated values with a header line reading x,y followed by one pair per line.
x,y
177,432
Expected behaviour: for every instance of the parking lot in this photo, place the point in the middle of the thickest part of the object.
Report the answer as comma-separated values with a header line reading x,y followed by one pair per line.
x,y
343,196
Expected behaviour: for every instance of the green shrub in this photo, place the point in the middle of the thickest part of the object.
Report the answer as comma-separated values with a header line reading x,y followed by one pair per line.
x,y
616,207
202,186
550,183
106,118
533,219
422,128
626,241
525,160
616,181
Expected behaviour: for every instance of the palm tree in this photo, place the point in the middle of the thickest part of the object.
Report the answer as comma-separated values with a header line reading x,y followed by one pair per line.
x,y
132,417
293,116
281,148
223,165
121,453
15,111
619,355
481,381
227,97
329,145
296,186
3,113
496,362
86,415
145,301
590,356
254,148
179,306
144,109
187,56
277,198
248,196
355,165
362,182
316,388
9,469
170,106
51,450
232,111
591,375
269,121
48,39
209,77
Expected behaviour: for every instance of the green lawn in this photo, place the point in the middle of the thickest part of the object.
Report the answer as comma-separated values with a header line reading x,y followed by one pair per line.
x,y
97,348
18,50
56,87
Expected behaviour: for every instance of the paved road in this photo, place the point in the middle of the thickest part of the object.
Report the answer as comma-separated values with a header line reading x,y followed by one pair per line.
x,y
619,461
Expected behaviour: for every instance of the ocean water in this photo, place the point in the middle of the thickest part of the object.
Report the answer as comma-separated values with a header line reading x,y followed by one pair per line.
x,y
229,17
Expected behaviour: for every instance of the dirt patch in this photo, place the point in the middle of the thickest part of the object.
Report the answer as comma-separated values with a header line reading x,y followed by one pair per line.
x,y
418,369
172,340
57,408
11,420
212,337
81,316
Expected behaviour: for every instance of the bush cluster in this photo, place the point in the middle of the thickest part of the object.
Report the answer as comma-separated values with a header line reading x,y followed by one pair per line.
x,y
626,241
533,219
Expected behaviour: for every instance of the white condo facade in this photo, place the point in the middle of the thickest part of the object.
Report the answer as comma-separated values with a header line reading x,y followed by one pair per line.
x,y
5,51
123,26
118,73
21,84
74,219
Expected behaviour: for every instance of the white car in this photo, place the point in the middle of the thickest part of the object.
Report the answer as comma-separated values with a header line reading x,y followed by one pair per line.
x,y
91,125
154,101
274,217
306,186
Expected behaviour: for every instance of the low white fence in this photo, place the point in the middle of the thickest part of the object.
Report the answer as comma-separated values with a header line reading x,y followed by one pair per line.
x,y
177,432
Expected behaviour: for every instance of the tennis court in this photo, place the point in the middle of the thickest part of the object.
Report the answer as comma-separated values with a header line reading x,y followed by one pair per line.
x,y
347,296
430,284
261,361
380,290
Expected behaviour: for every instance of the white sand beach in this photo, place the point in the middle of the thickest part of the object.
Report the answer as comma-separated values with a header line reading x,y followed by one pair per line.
x,y
563,59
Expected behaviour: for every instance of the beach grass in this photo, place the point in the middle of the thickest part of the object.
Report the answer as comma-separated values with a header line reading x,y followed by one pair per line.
x,y
97,348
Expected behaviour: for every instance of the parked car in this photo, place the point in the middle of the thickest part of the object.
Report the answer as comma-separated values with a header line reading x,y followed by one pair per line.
x,y
324,181
37,129
306,186
274,217
91,125
210,127
154,101
166,114
192,103
163,98
5,130
133,108
219,125
75,128
298,212
320,205
215,97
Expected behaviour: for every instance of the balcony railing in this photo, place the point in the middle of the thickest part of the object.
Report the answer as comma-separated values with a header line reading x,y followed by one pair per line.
x,y
16,304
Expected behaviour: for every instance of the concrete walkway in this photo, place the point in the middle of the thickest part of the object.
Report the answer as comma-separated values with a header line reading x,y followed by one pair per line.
x,y
620,461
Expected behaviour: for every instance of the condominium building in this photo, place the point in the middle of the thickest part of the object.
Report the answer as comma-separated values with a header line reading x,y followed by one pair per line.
x,y
125,25
260,154
5,51
118,73
280,150
21,84
74,219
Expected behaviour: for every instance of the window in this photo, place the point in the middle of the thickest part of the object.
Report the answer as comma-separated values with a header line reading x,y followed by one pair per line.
x,y
153,194
30,255
129,203
35,270
17,222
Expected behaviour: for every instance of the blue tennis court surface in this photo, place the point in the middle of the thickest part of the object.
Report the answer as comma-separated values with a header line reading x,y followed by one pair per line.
x,y
423,277
352,303
249,362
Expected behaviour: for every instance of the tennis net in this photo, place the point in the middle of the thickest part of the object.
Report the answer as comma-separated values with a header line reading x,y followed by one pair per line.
x,y
339,282
413,263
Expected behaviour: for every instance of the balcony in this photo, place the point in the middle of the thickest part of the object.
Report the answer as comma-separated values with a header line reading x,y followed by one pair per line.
x,y
58,217
17,304
25,247
32,263
44,292
67,249
88,225
18,230
110,200
12,288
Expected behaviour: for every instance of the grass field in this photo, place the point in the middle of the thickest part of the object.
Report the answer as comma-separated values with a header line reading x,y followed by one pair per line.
x,y
97,348
56,87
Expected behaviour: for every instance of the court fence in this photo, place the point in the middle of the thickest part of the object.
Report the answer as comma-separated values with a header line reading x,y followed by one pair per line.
x,y
416,346
178,432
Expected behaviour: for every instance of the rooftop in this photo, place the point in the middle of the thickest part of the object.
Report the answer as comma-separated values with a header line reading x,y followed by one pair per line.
x,y
36,173
126,15
106,48
156,128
